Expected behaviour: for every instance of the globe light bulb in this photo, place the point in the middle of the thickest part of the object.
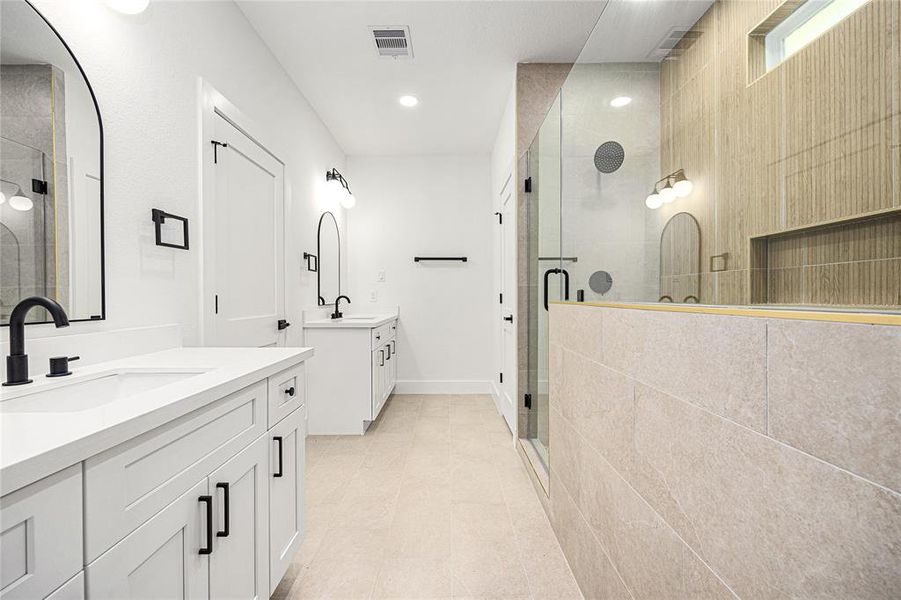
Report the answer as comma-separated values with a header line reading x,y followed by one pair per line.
x,y
21,203
347,200
682,186
653,201
667,193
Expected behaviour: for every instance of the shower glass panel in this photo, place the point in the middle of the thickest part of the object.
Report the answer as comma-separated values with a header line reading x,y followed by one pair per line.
x,y
26,253
609,154
547,276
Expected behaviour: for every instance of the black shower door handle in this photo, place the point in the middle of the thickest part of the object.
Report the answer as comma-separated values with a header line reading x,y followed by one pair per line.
x,y
565,284
556,271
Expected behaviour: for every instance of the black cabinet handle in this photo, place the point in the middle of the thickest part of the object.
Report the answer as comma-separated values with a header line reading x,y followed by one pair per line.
x,y
224,488
388,348
509,318
290,391
278,440
209,524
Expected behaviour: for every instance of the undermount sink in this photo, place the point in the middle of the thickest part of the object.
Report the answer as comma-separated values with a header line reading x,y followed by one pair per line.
x,y
93,392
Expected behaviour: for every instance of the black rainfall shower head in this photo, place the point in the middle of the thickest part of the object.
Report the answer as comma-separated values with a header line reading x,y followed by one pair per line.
x,y
609,157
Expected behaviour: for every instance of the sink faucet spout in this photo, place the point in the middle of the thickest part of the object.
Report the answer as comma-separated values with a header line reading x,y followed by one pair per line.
x,y
338,314
17,361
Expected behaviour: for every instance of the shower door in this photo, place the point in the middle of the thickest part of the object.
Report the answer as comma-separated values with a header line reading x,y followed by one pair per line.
x,y
548,278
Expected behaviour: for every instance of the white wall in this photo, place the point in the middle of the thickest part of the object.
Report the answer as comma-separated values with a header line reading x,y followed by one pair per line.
x,y
427,206
145,71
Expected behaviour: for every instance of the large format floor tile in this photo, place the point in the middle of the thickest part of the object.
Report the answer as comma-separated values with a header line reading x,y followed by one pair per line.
x,y
432,502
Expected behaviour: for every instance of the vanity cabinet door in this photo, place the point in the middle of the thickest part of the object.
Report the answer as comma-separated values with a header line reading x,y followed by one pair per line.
x,y
287,442
379,366
392,371
41,536
161,558
239,563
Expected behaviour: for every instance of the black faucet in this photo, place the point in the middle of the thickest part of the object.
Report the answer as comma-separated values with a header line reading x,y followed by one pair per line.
x,y
17,361
338,314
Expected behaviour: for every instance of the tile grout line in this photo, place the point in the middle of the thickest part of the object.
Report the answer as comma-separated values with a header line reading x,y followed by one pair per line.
x,y
737,424
648,504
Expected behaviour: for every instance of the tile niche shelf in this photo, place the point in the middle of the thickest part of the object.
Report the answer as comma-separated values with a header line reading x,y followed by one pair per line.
x,y
855,261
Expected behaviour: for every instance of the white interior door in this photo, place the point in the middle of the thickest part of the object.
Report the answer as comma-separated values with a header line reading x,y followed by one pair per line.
x,y
508,306
247,255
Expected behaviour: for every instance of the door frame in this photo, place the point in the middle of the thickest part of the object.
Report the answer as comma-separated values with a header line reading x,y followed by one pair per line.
x,y
211,104
511,298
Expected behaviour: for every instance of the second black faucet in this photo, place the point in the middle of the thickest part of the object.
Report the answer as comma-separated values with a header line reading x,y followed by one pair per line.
x,y
338,314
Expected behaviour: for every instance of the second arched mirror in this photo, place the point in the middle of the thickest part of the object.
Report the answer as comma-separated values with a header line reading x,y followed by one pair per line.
x,y
328,248
680,260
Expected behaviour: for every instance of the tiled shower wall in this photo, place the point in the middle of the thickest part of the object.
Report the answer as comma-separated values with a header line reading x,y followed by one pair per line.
x,y
717,456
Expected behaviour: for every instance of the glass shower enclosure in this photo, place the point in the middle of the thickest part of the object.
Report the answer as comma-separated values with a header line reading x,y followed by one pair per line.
x,y
590,237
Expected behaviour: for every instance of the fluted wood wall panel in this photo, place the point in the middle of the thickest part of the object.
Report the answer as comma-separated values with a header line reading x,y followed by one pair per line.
x,y
815,140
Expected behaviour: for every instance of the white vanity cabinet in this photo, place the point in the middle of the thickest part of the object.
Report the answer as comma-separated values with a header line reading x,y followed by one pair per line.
x,y
353,373
207,505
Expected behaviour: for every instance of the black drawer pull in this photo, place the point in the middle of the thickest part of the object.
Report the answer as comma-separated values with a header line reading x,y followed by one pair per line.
x,y
290,391
209,524
224,488
388,347
278,440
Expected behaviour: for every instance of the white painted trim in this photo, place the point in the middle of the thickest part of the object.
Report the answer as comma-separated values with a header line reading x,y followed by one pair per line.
x,y
443,387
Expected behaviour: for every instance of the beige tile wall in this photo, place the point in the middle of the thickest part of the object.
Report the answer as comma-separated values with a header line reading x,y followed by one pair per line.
x,y
710,456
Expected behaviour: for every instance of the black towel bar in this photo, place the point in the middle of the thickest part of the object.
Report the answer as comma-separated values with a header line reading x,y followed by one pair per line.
x,y
457,258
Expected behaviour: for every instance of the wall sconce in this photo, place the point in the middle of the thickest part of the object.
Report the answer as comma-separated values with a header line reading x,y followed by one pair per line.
x,y
339,189
675,185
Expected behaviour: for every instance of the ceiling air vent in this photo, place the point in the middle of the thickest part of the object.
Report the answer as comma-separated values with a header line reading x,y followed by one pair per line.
x,y
674,43
392,42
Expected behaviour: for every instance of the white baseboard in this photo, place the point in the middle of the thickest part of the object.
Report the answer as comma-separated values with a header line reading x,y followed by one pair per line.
x,y
495,392
442,387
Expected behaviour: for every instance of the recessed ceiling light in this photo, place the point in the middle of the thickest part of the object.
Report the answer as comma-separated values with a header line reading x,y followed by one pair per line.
x,y
408,101
128,7
620,101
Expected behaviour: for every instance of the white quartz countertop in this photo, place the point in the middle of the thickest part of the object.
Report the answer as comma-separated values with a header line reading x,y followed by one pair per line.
x,y
35,443
367,321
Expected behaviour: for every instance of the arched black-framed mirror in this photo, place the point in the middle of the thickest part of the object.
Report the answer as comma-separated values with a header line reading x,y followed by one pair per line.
x,y
51,172
328,249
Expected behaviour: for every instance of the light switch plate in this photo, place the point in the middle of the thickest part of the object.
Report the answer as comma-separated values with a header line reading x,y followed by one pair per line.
x,y
380,276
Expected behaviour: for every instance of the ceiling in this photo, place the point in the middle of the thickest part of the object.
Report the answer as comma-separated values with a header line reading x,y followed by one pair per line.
x,y
465,53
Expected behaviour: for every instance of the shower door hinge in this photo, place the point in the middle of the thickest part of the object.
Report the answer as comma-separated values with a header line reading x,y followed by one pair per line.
x,y
216,150
501,377
528,185
528,401
500,218
38,186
